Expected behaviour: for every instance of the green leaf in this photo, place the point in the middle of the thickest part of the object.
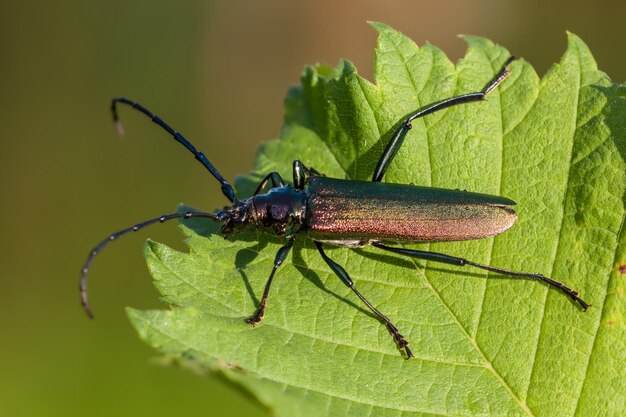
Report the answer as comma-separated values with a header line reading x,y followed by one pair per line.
x,y
484,344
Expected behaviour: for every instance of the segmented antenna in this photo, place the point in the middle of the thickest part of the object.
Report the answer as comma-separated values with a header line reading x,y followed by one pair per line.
x,y
98,248
227,189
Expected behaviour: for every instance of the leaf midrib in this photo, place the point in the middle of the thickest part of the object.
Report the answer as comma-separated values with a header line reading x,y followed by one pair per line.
x,y
563,205
595,336
489,366
612,276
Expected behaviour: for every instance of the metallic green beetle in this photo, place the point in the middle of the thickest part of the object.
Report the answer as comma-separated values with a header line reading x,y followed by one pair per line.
x,y
353,213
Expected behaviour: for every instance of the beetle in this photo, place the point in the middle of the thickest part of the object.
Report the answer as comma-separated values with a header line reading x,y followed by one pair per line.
x,y
351,213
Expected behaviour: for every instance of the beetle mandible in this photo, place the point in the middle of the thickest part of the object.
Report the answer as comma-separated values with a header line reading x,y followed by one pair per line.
x,y
352,213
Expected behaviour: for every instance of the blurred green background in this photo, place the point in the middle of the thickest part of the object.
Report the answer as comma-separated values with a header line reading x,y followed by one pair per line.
x,y
217,71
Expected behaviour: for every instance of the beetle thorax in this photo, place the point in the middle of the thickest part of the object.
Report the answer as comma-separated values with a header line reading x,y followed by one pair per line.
x,y
281,209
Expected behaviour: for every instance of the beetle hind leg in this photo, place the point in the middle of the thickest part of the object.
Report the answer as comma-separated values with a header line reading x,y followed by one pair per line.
x,y
453,260
397,139
343,275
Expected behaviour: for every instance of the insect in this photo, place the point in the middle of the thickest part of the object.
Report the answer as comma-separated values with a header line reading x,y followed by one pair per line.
x,y
352,213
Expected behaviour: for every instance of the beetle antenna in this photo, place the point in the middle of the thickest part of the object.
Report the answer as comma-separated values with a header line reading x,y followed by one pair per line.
x,y
227,189
98,248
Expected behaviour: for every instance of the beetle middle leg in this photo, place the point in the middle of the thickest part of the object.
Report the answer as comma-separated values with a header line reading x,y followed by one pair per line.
x,y
343,275
278,260
453,260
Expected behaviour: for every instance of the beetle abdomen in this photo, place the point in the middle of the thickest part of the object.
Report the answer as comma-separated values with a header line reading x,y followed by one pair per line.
x,y
341,210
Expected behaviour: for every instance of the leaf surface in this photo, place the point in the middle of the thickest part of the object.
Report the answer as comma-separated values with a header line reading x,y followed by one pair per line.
x,y
484,344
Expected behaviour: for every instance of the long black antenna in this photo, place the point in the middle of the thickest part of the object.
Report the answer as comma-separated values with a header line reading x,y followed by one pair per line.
x,y
227,189
139,226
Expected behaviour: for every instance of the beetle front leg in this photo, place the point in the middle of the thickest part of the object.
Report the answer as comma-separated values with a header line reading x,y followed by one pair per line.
x,y
447,259
343,275
277,181
278,260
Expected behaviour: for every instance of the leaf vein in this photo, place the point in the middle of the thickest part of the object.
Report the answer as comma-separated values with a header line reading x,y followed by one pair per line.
x,y
597,329
558,244
294,383
488,364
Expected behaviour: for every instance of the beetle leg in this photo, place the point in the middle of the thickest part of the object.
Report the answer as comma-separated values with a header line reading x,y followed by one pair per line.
x,y
278,260
343,275
443,258
300,172
398,137
314,172
277,181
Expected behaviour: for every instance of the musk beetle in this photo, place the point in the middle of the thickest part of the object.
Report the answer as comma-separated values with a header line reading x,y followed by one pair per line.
x,y
353,213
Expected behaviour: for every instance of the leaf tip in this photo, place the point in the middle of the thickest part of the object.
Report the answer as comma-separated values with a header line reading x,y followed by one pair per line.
x,y
132,313
150,248
344,69
155,253
135,317
576,41
479,42
571,35
379,26
140,320
578,54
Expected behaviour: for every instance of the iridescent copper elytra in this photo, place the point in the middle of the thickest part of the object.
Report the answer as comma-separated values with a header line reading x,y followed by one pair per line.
x,y
350,213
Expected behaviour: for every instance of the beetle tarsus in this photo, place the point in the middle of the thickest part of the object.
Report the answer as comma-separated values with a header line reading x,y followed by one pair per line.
x,y
400,340
501,76
573,294
408,352
257,317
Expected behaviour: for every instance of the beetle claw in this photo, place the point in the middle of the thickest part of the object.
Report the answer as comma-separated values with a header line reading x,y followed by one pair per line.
x,y
256,319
